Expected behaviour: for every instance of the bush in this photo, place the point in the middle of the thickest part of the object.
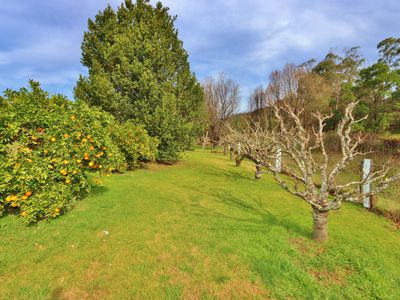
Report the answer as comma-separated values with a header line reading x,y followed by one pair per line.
x,y
47,147
134,143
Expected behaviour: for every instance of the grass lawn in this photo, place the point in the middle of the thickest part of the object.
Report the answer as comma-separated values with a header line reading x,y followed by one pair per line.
x,y
202,228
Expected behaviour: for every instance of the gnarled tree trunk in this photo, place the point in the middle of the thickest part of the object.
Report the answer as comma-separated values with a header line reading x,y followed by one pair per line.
x,y
238,160
257,175
320,230
231,153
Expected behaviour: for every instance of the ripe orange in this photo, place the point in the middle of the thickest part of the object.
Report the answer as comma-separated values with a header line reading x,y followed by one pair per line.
x,y
53,139
24,197
24,214
66,135
91,164
63,172
28,193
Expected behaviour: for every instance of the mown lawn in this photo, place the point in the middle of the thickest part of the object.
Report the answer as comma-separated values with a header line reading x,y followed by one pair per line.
x,y
202,228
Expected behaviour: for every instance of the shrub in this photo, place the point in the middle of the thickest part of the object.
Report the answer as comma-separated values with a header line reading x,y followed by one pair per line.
x,y
47,147
134,143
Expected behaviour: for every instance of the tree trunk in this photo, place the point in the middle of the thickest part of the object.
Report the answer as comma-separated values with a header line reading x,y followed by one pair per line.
x,y
258,172
238,161
225,148
320,230
231,154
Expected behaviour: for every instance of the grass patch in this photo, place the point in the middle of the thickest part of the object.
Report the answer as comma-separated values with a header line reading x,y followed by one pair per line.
x,y
200,229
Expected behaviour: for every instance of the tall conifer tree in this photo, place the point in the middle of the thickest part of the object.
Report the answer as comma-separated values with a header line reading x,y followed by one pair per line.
x,y
139,70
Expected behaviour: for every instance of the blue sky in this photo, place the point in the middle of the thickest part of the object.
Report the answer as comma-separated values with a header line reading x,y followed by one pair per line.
x,y
246,39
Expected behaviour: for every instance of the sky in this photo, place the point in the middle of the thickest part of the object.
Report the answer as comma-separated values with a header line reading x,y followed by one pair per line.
x,y
246,39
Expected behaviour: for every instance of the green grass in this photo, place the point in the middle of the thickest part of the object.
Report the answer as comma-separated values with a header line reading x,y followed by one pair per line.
x,y
200,229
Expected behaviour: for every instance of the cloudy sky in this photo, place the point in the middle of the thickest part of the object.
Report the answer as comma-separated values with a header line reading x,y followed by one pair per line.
x,y
246,39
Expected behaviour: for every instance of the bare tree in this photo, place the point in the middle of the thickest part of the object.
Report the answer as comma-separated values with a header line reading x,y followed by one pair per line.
x,y
257,105
222,98
310,178
303,90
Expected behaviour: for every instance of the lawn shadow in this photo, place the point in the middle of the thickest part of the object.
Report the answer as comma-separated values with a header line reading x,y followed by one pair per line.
x,y
260,218
96,190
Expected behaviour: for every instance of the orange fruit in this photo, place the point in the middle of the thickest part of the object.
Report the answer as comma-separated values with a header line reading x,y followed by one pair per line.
x,y
66,135
24,214
24,197
28,193
67,181
53,139
78,161
63,172
91,164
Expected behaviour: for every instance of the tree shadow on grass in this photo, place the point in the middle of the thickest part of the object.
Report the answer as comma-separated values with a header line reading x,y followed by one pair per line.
x,y
259,218
233,174
97,190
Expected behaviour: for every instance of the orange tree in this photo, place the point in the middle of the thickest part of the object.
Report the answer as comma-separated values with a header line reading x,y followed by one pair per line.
x,y
47,147
134,142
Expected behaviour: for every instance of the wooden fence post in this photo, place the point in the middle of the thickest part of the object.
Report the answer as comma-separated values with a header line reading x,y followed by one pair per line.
x,y
366,186
278,160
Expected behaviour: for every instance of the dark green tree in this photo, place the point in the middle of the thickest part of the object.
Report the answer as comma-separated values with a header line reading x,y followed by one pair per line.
x,y
139,70
378,89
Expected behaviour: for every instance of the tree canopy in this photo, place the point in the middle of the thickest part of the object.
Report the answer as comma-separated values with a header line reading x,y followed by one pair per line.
x,y
139,70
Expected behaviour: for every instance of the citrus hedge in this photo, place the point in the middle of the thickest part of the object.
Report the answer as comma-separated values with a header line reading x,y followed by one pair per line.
x,y
48,145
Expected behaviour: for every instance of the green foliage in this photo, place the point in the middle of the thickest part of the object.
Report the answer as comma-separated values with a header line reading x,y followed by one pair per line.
x,y
49,144
134,143
378,87
138,70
